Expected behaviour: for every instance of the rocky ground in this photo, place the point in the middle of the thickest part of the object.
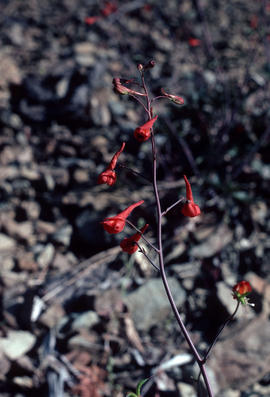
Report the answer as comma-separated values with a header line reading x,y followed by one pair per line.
x,y
75,314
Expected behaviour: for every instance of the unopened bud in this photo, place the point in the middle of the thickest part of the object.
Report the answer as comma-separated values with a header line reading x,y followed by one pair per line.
x,y
123,90
140,67
174,98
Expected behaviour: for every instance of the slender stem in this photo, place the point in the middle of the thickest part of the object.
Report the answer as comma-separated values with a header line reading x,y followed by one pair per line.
x,y
219,332
173,205
144,238
158,97
134,172
160,254
217,336
148,110
138,100
146,256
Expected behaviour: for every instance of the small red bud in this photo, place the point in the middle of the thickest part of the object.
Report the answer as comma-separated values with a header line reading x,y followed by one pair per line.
x,y
91,20
174,98
193,42
149,65
119,88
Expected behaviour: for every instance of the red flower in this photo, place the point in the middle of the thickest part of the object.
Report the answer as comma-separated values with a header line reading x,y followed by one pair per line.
x,y
109,8
194,42
115,224
128,244
174,98
143,132
109,176
91,20
241,290
190,208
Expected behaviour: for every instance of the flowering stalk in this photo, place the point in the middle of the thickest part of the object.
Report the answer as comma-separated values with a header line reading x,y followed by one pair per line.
x,y
195,353
188,208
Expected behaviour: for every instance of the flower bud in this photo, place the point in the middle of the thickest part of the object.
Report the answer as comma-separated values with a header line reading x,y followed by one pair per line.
x,y
174,98
119,88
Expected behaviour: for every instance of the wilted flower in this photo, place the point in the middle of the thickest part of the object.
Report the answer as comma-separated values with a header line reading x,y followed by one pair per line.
x,y
190,208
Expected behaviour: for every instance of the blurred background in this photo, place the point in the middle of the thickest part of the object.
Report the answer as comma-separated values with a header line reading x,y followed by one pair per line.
x,y
78,317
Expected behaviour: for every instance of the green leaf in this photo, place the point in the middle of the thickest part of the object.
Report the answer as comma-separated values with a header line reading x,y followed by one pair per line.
x,y
140,384
132,395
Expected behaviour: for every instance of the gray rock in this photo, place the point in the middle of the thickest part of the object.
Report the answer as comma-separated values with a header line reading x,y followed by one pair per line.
x,y
6,243
17,343
243,358
149,305
85,320
186,390
46,256
63,235
214,243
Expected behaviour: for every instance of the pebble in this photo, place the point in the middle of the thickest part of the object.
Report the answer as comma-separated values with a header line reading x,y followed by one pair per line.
x,y
17,343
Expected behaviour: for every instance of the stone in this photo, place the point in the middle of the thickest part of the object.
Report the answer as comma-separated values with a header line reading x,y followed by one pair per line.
x,y
4,365
52,316
221,237
17,343
6,243
186,390
63,235
149,304
85,320
244,357
46,256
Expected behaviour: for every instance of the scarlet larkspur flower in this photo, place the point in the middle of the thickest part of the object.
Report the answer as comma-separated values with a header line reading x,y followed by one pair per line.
x,y
115,224
91,20
241,290
194,42
128,244
143,132
174,98
190,208
123,90
109,8
109,175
